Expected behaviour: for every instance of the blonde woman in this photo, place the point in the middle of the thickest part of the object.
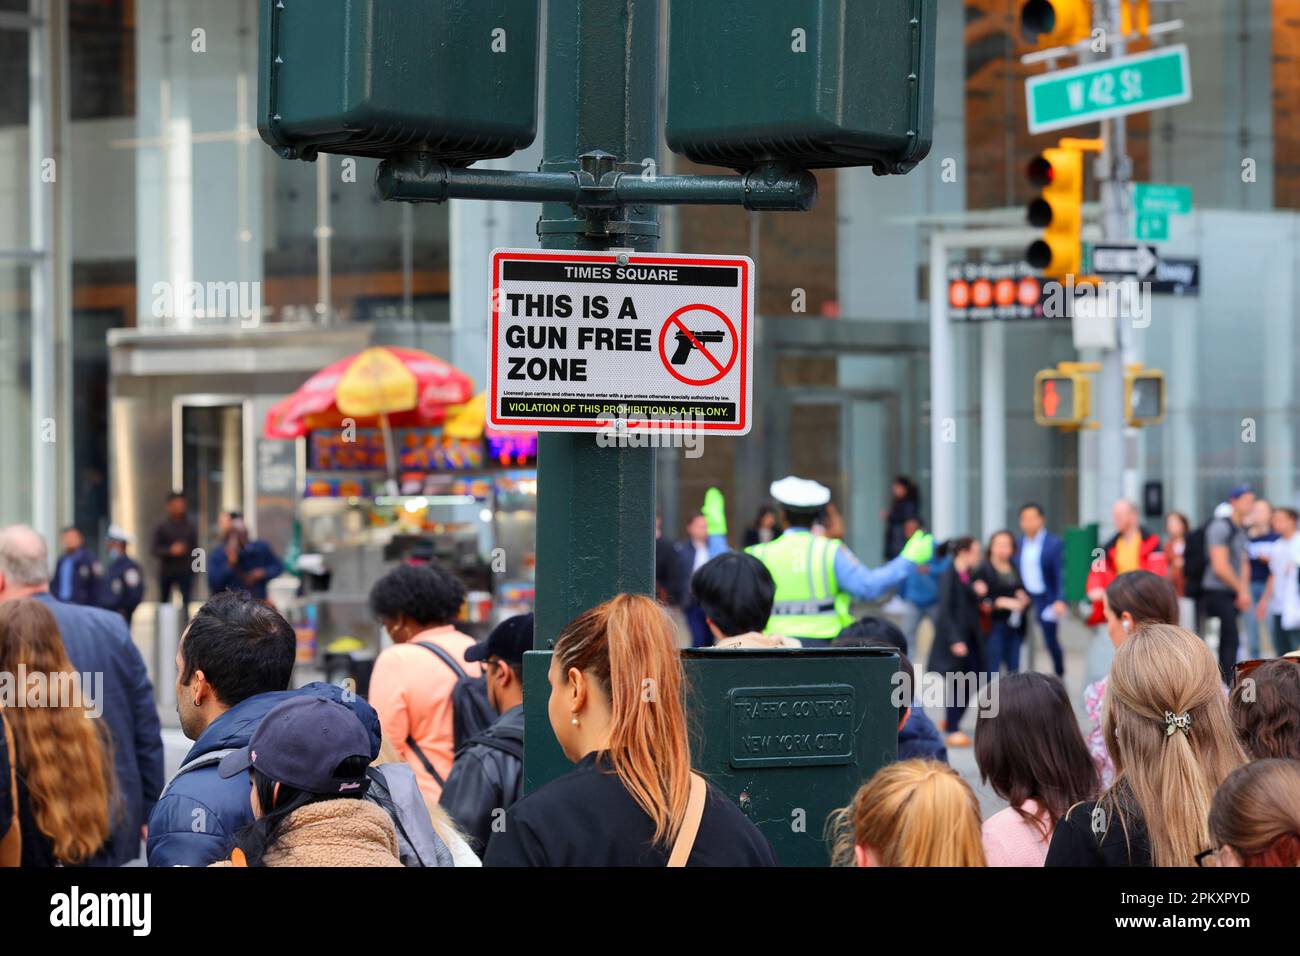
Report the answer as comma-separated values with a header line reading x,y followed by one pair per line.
x,y
1166,722
66,788
911,813
616,710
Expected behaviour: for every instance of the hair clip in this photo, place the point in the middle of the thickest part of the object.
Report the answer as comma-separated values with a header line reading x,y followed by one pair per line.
x,y
1174,722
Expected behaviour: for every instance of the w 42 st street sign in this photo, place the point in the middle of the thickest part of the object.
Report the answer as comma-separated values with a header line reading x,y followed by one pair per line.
x,y
1116,87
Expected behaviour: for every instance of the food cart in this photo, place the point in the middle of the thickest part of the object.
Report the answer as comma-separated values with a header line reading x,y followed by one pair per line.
x,y
425,483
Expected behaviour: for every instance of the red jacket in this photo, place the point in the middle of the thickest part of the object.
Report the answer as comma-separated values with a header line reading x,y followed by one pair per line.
x,y
1150,558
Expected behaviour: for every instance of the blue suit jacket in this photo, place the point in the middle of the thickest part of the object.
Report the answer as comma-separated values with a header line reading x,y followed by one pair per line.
x,y
84,577
256,556
197,817
1051,562
98,642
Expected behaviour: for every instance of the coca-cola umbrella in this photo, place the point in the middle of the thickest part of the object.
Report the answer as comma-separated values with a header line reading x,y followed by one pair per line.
x,y
383,385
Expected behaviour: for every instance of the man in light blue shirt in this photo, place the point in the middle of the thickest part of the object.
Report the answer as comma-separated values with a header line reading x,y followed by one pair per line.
x,y
1038,558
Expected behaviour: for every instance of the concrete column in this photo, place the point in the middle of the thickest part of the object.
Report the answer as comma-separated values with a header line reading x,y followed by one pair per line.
x,y
993,427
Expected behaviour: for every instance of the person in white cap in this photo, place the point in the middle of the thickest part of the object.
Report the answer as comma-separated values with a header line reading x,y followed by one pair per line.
x,y
122,586
817,576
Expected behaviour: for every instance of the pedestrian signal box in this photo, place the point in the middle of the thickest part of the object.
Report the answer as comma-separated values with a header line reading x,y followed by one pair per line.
x,y
809,83
456,79
1144,397
1061,398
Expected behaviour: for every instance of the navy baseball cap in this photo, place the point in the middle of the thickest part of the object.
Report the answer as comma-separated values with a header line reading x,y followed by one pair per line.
x,y
1237,491
301,743
508,641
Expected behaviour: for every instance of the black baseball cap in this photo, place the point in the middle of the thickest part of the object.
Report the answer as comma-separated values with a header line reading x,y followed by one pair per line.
x,y
301,742
508,641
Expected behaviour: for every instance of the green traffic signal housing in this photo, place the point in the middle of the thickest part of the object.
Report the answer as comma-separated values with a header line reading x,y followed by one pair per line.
x,y
455,80
1144,396
1047,23
805,83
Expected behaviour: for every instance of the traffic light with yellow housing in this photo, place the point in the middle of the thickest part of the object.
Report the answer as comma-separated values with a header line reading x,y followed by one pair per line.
x,y
1135,17
1062,398
1144,396
1057,210
1047,23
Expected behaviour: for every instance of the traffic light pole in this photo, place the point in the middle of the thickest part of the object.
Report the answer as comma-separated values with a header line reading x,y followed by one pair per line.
x,y
596,506
1115,171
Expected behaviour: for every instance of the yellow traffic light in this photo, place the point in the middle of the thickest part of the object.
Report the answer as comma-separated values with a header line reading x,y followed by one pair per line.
x,y
1058,211
1062,398
1056,22
1135,17
1144,396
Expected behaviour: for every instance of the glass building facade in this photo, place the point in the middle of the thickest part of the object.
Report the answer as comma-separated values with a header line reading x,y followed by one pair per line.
x,y
136,195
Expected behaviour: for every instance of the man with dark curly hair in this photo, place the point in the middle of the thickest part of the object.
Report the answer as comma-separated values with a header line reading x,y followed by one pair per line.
x,y
412,684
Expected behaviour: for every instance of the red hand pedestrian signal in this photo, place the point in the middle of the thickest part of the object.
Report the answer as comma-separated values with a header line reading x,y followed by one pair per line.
x,y
1051,400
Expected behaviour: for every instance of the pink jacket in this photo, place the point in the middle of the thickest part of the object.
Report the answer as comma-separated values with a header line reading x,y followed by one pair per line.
x,y
411,689
1010,840
1093,696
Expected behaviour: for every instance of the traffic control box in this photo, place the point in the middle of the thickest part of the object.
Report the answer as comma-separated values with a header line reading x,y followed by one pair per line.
x,y
788,735
456,79
811,83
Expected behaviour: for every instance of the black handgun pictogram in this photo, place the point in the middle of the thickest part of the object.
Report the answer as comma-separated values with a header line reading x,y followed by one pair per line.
x,y
684,343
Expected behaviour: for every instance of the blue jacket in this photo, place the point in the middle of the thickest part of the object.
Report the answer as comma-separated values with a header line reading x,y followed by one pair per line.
x,y
920,738
923,589
122,587
1050,562
195,820
83,578
98,642
256,555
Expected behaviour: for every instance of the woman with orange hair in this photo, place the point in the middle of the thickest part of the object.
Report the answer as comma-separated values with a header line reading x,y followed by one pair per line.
x,y
65,782
632,800
910,813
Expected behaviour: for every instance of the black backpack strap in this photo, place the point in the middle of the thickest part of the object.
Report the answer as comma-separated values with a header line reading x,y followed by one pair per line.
x,y
446,659
506,743
428,765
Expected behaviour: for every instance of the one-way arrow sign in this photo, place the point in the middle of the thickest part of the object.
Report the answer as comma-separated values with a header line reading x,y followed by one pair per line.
x,y
1129,260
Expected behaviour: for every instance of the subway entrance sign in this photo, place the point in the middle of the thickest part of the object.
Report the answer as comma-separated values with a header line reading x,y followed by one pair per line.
x,y
1115,87
601,341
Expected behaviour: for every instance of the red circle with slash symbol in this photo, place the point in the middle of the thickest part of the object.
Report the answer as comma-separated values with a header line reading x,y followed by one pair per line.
x,y
676,324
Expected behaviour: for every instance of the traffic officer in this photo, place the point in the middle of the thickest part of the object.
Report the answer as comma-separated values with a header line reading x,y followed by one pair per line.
x,y
817,577
76,576
122,587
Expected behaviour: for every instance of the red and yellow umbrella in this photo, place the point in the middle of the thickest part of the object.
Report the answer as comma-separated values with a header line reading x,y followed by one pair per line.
x,y
383,385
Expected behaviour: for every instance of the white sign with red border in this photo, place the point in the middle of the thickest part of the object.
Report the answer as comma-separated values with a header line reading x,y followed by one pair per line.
x,y
592,341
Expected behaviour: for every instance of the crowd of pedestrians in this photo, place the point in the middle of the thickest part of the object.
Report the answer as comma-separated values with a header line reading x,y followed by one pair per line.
x,y
1172,766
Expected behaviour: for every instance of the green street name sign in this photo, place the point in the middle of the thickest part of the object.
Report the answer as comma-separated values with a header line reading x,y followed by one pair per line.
x,y
1151,227
1117,87
1162,198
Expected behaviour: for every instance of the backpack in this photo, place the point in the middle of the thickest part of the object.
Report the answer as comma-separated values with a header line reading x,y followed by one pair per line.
x,y
471,712
498,738
1196,558
394,790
